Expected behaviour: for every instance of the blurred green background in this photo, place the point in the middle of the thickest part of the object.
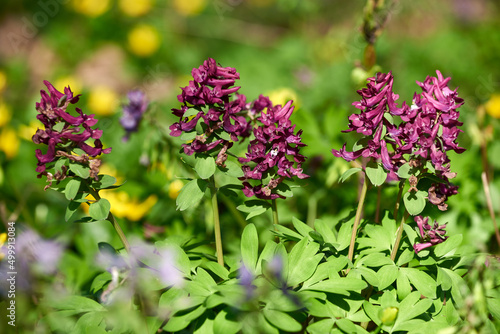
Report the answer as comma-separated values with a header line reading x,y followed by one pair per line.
x,y
304,50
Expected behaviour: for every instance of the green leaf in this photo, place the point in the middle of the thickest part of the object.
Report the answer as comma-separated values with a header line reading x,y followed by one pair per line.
x,y
79,170
77,303
448,245
404,287
72,188
302,261
188,136
282,320
376,173
266,255
250,247
226,322
321,326
443,279
302,228
404,171
89,323
386,276
284,190
205,166
348,173
346,325
182,319
191,194
232,169
339,285
405,257
100,281
254,207
424,283
287,233
58,126
59,163
411,307
99,210
217,269
325,231
414,202
104,181
344,236
71,209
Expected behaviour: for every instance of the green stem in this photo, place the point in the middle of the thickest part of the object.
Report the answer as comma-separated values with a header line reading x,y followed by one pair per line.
x,y
275,213
398,200
398,237
358,217
215,209
113,221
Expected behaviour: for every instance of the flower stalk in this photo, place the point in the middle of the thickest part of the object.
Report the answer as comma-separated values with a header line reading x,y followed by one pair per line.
x,y
215,209
399,235
275,213
361,203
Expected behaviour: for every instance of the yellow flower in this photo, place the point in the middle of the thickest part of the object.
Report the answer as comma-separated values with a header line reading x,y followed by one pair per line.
x,y
189,8
103,101
493,106
122,206
3,81
91,8
5,114
9,142
27,131
3,238
144,40
283,95
174,188
72,82
135,8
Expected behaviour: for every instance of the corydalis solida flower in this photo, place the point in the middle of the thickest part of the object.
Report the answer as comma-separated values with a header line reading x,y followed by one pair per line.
x,y
430,235
427,131
63,133
133,111
274,152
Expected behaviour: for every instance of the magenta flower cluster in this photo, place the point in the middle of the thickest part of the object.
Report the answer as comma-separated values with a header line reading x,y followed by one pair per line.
x,y
226,117
427,131
430,235
62,131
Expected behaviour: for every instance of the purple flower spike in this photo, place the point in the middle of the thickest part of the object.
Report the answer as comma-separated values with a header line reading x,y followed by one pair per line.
x,y
273,152
133,111
429,235
64,132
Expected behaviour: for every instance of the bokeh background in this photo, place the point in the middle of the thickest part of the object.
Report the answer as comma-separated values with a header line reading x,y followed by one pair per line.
x,y
308,51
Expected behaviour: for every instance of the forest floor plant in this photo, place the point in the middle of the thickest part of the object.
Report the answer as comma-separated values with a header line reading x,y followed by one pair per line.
x,y
335,277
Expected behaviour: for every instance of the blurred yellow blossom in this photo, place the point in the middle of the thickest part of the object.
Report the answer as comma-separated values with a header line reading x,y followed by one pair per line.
x,y
122,206
282,96
109,169
174,188
5,114
103,101
92,8
144,40
72,82
3,81
493,106
135,8
3,238
27,131
9,142
189,8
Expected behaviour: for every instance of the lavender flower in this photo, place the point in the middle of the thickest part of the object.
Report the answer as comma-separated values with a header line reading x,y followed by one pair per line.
x,y
429,235
133,111
64,132
246,280
274,152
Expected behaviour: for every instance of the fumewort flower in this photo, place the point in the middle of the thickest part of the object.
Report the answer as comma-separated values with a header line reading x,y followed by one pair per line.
x,y
427,130
133,111
273,155
63,133
430,235
207,97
